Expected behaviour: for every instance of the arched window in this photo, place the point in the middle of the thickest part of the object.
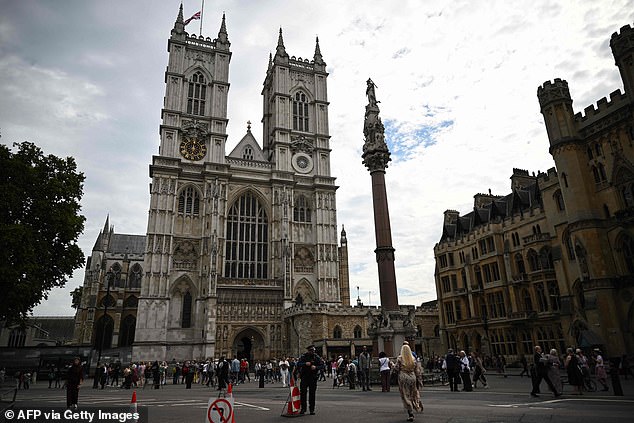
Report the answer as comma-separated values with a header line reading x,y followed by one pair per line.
x,y
478,275
596,174
108,299
301,210
553,294
131,302
627,247
357,332
189,202
136,274
541,297
247,239
598,149
533,260
17,338
569,247
437,331
601,170
126,333
590,155
526,298
103,332
300,112
186,319
115,276
545,258
519,264
559,200
337,333
606,211
196,95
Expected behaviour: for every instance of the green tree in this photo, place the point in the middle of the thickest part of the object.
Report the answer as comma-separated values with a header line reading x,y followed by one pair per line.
x,y
39,226
75,295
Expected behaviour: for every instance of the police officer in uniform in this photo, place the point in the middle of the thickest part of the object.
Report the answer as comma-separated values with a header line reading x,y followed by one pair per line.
x,y
308,367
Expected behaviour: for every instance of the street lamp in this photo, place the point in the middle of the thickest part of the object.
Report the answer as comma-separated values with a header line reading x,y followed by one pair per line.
x,y
109,275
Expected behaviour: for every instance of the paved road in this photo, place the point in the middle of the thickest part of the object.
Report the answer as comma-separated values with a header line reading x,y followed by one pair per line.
x,y
507,400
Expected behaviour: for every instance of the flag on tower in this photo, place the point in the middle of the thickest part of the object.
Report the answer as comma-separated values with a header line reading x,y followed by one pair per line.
x,y
193,18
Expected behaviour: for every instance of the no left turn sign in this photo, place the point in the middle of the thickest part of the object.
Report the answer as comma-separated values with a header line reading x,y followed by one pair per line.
x,y
220,411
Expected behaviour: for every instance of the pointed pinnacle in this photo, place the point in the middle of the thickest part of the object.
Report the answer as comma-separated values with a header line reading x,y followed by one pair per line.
x,y
318,57
223,27
180,14
280,40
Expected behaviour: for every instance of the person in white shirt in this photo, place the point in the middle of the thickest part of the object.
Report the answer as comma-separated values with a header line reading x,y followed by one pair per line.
x,y
284,371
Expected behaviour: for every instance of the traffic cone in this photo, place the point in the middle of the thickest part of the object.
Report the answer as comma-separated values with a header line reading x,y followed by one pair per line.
x,y
230,393
293,403
133,406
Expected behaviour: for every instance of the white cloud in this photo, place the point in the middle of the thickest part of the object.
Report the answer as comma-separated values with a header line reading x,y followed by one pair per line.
x,y
99,89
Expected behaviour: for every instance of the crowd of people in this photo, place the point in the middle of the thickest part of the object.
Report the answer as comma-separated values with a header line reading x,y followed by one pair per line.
x,y
353,372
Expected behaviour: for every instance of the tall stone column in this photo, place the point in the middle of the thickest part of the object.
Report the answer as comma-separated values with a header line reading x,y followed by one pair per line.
x,y
376,157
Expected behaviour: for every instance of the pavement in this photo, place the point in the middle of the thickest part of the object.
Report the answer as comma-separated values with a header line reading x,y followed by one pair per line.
x,y
506,400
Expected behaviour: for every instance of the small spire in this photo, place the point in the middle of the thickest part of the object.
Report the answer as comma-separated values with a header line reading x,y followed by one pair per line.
x,y
180,14
270,60
107,224
223,37
318,57
248,126
280,40
281,50
344,239
179,25
223,25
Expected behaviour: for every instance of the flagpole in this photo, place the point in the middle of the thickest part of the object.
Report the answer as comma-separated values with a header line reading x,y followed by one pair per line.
x,y
202,7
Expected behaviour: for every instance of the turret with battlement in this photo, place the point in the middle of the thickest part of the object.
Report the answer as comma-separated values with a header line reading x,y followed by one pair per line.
x,y
622,44
556,106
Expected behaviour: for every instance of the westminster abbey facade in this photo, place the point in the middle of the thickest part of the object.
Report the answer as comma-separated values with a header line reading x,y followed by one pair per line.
x,y
243,248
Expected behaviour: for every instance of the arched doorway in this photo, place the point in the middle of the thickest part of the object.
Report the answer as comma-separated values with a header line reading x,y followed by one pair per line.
x,y
477,342
126,332
249,344
103,332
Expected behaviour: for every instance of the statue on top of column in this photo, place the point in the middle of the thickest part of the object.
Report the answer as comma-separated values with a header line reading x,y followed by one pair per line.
x,y
372,102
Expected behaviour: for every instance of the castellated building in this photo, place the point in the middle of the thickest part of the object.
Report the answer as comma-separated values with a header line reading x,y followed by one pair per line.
x,y
552,262
242,253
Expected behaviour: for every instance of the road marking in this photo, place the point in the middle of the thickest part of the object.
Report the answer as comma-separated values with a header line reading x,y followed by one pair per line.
x,y
559,400
257,407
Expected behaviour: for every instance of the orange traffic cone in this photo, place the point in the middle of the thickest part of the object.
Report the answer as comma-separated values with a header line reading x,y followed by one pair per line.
x,y
293,403
133,406
230,393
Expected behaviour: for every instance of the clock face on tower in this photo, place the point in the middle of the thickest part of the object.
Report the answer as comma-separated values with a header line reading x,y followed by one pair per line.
x,y
193,149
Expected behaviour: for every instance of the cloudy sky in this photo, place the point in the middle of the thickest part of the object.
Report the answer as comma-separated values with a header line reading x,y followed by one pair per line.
x,y
457,83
